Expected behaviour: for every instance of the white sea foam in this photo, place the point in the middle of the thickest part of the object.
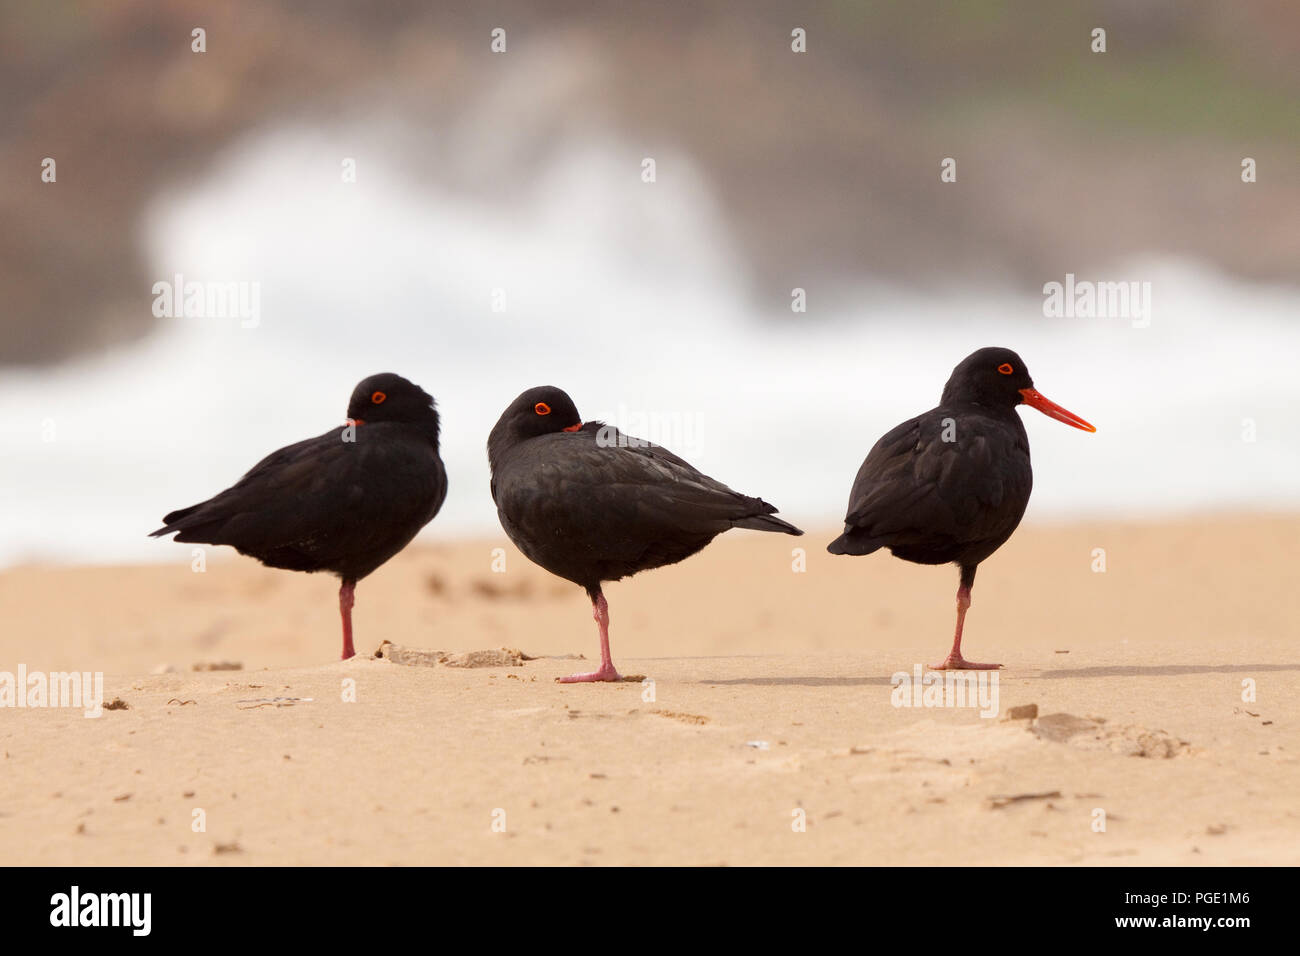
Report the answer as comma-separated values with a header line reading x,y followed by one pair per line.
x,y
629,296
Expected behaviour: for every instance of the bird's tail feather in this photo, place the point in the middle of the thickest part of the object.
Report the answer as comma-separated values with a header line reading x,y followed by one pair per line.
x,y
854,541
766,523
175,521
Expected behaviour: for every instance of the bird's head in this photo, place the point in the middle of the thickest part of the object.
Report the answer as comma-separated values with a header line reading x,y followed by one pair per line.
x,y
387,397
998,378
543,410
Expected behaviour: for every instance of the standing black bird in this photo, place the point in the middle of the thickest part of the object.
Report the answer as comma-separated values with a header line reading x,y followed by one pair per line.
x,y
345,501
591,504
952,484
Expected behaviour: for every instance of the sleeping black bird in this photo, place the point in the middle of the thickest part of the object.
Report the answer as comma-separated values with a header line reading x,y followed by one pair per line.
x,y
345,501
952,484
591,504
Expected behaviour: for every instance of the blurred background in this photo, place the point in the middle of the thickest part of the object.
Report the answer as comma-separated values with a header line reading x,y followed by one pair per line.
x,y
500,232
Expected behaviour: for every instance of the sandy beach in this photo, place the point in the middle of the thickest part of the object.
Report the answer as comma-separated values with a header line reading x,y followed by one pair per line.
x,y
767,736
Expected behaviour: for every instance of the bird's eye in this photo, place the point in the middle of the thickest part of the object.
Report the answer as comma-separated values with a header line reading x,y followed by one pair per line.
x,y
378,398
541,408
1005,368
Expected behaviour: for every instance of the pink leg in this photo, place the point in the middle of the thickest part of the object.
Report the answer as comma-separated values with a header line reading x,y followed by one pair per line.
x,y
600,612
955,661
346,601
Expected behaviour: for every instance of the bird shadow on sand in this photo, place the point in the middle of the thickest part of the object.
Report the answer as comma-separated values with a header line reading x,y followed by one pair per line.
x,y
1163,670
804,681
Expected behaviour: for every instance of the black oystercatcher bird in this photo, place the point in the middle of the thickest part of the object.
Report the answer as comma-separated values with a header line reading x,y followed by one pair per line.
x,y
952,484
591,504
344,502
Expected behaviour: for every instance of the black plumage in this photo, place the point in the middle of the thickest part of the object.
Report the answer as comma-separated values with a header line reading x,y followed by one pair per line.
x,y
344,502
591,504
952,484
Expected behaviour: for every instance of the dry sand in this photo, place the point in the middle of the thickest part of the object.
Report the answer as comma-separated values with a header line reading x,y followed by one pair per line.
x,y
771,695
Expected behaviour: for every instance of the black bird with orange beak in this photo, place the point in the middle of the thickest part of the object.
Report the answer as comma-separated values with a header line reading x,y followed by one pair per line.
x,y
345,501
590,504
951,485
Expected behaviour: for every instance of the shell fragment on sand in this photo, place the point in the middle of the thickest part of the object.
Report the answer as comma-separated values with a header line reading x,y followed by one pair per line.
x,y
1092,733
254,703
419,657
997,802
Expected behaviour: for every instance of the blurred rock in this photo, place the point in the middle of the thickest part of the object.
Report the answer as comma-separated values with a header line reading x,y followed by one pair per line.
x,y
825,163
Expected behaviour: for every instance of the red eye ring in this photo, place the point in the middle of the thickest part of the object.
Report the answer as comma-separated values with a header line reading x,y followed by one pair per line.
x,y
541,408
1005,368
378,398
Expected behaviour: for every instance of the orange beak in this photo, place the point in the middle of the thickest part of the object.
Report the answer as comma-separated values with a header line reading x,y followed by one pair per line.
x,y
574,428
1052,410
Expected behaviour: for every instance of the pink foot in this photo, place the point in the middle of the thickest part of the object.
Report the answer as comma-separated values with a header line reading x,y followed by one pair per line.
x,y
956,662
606,673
